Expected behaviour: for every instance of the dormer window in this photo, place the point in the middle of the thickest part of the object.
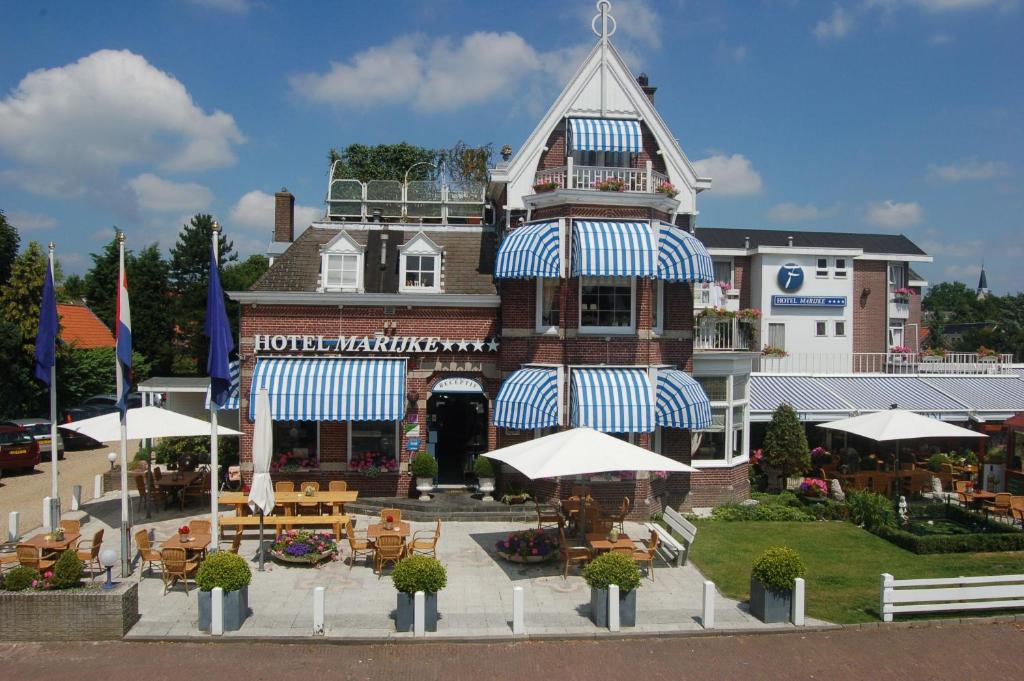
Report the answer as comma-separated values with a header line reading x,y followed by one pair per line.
x,y
341,264
420,266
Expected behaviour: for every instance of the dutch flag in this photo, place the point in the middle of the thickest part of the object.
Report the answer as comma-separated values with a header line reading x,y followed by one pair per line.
x,y
124,337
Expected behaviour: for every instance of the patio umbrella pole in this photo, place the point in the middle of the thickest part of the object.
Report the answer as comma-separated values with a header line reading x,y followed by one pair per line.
x,y
261,540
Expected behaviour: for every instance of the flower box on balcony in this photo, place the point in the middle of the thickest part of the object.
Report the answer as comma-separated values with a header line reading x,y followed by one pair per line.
x,y
668,189
610,185
542,187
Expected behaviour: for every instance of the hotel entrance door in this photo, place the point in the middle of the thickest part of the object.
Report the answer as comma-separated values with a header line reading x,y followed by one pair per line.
x,y
457,424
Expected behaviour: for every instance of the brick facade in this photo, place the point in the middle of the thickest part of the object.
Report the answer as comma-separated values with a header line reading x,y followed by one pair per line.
x,y
870,306
92,615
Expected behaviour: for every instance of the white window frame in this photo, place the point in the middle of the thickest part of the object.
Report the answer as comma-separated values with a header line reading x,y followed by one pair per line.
x,y
897,280
342,245
606,330
731,281
819,271
419,245
768,336
538,324
658,290
837,325
736,435
348,445
902,327
823,325
841,272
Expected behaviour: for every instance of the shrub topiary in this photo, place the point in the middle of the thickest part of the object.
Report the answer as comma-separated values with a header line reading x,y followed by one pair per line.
x,y
785,442
67,571
870,509
483,467
423,466
777,567
20,578
612,568
419,573
227,570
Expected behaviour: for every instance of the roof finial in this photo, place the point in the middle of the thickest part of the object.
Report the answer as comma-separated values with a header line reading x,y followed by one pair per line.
x,y
608,24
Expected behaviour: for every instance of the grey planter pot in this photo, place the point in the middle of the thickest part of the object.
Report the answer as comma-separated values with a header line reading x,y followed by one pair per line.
x,y
768,605
599,607
236,609
404,614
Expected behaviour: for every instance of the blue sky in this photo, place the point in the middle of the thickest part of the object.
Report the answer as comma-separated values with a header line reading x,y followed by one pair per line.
x,y
856,115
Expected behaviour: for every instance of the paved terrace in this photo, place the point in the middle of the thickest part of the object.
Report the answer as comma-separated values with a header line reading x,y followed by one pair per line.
x,y
477,602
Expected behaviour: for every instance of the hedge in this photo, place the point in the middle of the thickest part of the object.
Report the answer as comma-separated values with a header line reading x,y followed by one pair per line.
x,y
994,537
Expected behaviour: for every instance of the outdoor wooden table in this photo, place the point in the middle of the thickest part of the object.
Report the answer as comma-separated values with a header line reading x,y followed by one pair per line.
x,y
177,480
288,500
376,530
976,497
44,543
197,545
599,543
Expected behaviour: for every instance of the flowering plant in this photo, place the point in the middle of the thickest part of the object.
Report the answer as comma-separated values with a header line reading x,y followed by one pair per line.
x,y
389,518
814,487
548,186
290,461
717,313
756,456
725,286
900,349
305,544
772,351
372,464
820,455
986,352
935,352
659,475
667,188
184,530
612,184
45,582
903,292
528,543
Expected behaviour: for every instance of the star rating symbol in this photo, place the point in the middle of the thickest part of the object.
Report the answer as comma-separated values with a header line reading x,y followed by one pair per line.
x,y
463,345
492,345
446,345
478,346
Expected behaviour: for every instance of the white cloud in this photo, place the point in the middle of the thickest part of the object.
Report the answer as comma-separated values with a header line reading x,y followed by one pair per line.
x,y
731,175
255,210
935,244
637,20
231,6
969,170
837,26
796,212
893,215
940,39
164,196
953,5
26,221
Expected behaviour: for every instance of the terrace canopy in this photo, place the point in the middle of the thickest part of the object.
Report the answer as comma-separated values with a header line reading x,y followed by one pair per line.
x,y
143,423
898,424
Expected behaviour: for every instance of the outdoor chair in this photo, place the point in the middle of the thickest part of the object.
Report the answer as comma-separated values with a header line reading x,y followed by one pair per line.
x,y
71,526
1017,510
425,542
389,548
157,473
395,513
579,492
618,517
570,554
283,487
647,553
147,494
198,489
236,542
199,526
548,516
147,554
175,565
233,480
1000,505
356,545
308,508
90,553
29,556
337,486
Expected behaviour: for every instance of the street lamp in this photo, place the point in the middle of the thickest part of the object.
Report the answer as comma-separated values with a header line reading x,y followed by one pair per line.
x,y
112,458
108,559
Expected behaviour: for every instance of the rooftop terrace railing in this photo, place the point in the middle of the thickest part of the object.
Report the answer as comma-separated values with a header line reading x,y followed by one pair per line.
x,y
574,176
953,363
428,200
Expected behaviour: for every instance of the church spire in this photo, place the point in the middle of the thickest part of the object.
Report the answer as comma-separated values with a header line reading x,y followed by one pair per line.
x,y
982,283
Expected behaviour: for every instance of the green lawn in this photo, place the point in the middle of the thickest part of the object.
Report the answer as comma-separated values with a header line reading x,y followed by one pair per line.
x,y
843,563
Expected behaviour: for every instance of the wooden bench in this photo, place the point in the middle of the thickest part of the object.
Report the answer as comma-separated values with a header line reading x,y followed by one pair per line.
x,y
279,522
674,551
1001,592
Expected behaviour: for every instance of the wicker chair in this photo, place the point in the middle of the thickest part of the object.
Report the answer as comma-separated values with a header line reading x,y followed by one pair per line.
x,y
356,545
199,489
236,542
29,556
389,548
548,516
1000,505
147,554
309,508
618,517
427,545
647,553
600,525
1017,510
200,526
148,494
395,513
337,486
570,554
90,553
175,565
71,526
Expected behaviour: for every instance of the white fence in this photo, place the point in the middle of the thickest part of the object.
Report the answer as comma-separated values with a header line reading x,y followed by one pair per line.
x,y
904,596
954,363
572,176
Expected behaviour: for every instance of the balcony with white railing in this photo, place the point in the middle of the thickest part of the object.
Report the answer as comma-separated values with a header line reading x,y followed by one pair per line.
x,y
572,176
426,200
723,334
952,363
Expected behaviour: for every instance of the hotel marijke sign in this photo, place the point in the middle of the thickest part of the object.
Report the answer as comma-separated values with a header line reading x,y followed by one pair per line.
x,y
377,343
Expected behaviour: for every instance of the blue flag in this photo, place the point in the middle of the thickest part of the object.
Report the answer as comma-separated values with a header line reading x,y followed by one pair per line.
x,y
218,329
46,339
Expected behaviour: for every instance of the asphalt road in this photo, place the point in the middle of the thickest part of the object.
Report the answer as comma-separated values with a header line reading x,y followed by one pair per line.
x,y
960,653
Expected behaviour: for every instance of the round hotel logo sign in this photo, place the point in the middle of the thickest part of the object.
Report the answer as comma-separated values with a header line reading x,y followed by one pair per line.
x,y
791,277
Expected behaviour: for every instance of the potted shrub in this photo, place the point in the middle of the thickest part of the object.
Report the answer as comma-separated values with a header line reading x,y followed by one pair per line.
x,y
412,574
230,572
484,470
607,569
424,469
771,584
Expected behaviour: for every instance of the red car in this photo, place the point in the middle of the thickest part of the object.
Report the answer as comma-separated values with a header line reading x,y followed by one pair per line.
x,y
18,449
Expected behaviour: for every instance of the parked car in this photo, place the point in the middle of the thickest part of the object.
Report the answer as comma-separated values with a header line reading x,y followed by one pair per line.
x,y
97,405
18,449
40,430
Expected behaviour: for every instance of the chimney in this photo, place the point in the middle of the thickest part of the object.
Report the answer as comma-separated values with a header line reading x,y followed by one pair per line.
x,y
284,216
746,242
789,240
645,85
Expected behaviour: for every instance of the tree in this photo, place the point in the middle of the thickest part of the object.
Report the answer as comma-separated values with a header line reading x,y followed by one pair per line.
x,y
9,244
85,372
72,290
383,162
18,383
149,291
100,282
466,164
239,276
785,442
189,277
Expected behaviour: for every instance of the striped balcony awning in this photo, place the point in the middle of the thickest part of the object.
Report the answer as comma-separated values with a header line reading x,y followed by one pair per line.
x,y
333,389
612,249
604,134
232,402
611,400
682,256
528,399
529,251
682,402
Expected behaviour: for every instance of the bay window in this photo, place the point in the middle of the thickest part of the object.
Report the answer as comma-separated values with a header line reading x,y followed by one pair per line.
x,y
606,305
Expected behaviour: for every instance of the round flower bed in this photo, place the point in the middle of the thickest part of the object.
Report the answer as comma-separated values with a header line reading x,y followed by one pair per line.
x,y
304,546
528,546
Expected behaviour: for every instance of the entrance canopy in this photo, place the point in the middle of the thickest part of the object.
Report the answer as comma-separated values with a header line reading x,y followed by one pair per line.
x,y
144,422
331,389
898,424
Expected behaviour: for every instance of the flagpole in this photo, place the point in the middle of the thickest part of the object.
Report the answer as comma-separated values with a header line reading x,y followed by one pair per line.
x,y
54,454
214,462
126,564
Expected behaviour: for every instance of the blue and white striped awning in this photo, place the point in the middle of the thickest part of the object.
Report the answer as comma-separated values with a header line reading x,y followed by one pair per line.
x,y
875,393
612,400
811,400
232,403
987,395
612,249
682,402
529,251
528,399
332,389
604,134
682,257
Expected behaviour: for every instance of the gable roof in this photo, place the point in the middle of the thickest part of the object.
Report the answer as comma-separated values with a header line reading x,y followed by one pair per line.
x,y
731,237
79,326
